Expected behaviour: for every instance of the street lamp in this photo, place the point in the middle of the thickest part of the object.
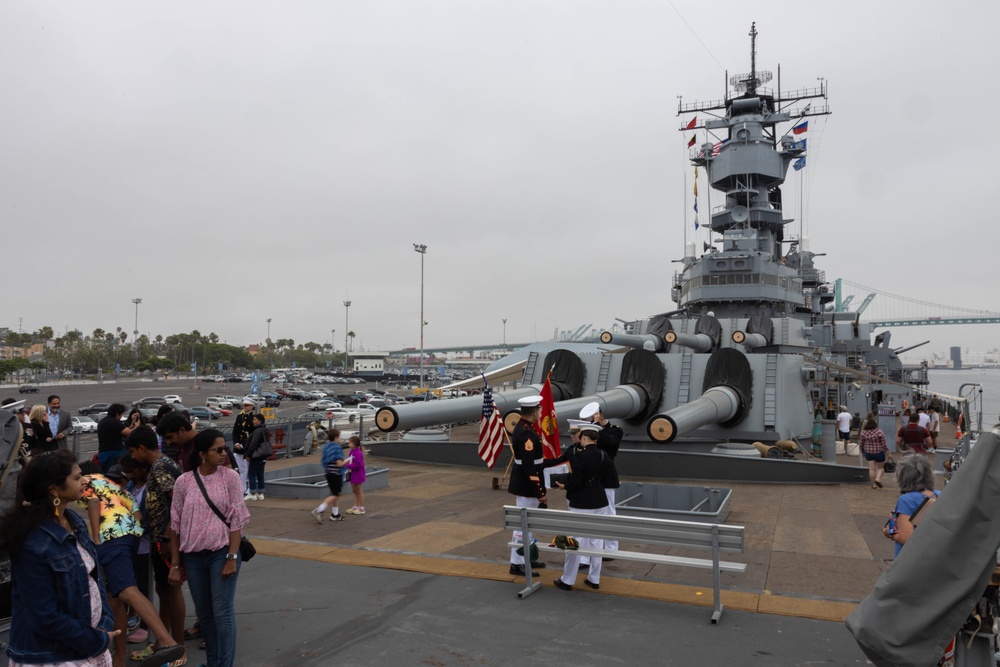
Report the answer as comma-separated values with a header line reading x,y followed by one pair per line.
x,y
136,332
505,332
347,329
422,249
270,359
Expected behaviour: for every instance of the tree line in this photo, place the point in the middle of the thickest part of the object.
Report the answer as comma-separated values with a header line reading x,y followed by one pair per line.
x,y
103,350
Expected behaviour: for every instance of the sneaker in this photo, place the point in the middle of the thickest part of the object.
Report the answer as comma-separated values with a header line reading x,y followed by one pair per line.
x,y
138,636
360,510
353,510
260,496
316,514
133,623
250,496
337,517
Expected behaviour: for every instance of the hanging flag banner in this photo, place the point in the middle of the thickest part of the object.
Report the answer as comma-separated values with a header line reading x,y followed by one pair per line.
x,y
801,127
696,225
799,164
690,126
800,144
693,139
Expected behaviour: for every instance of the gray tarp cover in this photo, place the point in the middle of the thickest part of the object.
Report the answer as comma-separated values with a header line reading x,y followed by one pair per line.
x,y
923,598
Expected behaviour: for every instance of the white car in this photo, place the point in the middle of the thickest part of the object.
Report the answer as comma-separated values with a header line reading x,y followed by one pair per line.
x,y
365,409
172,398
219,402
324,404
83,425
317,393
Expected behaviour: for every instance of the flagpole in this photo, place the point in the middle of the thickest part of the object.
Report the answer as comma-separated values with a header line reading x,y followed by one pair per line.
x,y
509,463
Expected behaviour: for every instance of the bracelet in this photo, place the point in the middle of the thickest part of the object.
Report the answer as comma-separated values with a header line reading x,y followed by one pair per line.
x,y
176,567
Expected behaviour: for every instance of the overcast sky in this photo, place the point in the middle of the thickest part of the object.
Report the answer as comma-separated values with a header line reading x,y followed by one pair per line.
x,y
229,162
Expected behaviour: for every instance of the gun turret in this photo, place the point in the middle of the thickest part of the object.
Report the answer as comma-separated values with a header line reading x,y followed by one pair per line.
x,y
725,399
622,402
640,342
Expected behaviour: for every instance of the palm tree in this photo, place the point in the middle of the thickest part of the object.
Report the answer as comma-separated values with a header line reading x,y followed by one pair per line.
x,y
350,334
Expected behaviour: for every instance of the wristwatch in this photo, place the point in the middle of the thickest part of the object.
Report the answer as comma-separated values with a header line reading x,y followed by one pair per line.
x,y
230,556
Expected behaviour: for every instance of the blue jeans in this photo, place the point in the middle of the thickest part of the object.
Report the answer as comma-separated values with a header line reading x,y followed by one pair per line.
x,y
255,475
214,602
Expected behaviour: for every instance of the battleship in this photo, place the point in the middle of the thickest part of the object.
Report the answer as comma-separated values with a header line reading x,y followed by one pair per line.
x,y
725,384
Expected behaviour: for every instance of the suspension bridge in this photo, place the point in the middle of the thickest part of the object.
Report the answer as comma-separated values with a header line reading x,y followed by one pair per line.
x,y
882,309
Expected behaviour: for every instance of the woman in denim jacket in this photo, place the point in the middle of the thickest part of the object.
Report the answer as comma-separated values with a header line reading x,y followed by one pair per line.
x,y
60,611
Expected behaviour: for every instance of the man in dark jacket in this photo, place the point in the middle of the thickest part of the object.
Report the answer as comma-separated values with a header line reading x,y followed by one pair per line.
x,y
242,430
585,494
609,438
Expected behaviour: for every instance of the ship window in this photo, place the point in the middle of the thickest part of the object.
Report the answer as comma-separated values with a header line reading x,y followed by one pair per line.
x,y
739,264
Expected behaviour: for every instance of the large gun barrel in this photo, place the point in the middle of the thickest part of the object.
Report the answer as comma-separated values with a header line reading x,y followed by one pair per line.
x,y
715,406
622,402
698,342
749,340
725,401
446,411
640,342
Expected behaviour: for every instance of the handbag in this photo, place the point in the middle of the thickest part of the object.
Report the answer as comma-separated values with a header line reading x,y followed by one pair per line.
x,y
247,549
890,465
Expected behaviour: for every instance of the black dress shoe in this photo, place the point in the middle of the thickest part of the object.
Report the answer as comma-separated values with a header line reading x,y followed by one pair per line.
x,y
563,585
591,584
518,571
537,565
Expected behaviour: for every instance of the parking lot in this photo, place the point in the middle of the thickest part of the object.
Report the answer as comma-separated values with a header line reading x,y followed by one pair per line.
x,y
191,393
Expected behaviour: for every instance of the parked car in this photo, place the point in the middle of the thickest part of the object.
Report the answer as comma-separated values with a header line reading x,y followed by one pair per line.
x,y
317,393
324,404
281,392
204,413
218,402
237,401
83,425
149,402
94,408
28,389
297,395
365,409
312,417
347,399
149,413
172,398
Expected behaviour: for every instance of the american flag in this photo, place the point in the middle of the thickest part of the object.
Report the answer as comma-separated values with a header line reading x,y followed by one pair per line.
x,y
490,429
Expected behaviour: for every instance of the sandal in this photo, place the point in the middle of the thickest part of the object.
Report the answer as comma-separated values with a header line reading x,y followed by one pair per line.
x,y
164,655
141,654
193,632
201,645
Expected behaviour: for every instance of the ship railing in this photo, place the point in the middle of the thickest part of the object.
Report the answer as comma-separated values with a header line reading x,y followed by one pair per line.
x,y
743,278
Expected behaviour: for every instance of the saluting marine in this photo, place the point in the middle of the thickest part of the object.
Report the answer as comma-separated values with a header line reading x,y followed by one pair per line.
x,y
526,475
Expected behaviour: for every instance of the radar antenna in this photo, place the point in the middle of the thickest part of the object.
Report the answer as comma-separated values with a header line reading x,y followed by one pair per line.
x,y
747,83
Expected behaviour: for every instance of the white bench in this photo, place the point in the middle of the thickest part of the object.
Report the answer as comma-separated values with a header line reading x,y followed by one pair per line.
x,y
637,530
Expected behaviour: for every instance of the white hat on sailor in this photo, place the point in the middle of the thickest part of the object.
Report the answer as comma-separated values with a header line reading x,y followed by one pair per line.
x,y
530,401
588,426
590,409
576,424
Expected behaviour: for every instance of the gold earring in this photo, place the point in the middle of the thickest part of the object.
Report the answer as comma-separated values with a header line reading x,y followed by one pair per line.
x,y
55,503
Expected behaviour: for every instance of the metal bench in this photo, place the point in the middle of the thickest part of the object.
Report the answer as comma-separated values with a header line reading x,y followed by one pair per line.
x,y
636,530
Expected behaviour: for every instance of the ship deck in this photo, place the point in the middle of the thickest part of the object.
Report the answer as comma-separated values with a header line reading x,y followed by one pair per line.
x,y
813,550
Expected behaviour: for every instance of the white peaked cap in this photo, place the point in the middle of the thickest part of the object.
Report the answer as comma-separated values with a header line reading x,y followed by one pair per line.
x,y
530,401
590,409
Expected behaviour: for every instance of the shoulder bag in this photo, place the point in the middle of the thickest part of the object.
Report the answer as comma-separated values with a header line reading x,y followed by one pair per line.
x,y
247,549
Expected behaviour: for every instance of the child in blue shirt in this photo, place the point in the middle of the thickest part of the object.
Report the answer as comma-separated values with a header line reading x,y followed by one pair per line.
x,y
333,463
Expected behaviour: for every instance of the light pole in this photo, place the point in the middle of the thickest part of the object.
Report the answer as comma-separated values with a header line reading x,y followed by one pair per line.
x,y
136,332
347,329
422,249
505,333
270,359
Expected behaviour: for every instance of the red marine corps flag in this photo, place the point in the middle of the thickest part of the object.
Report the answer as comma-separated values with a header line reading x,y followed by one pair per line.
x,y
546,426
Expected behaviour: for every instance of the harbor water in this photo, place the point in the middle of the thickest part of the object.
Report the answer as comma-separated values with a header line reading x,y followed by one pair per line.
x,y
948,381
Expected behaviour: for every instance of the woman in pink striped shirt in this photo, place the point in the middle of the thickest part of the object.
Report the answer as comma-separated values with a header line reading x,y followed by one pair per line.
x,y
208,547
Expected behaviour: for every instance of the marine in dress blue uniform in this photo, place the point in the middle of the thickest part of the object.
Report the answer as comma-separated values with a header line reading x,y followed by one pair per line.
x,y
526,481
